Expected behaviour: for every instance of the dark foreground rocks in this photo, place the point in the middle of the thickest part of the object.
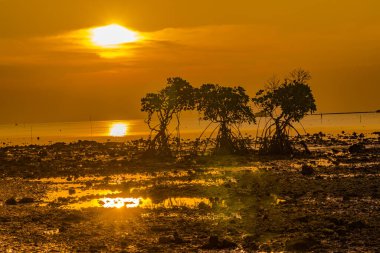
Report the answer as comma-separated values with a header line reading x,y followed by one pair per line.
x,y
215,243
326,202
302,244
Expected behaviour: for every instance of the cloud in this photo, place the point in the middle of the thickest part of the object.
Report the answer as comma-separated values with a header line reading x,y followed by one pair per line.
x,y
62,70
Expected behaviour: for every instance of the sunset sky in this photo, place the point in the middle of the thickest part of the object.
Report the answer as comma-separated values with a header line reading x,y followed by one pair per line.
x,y
51,70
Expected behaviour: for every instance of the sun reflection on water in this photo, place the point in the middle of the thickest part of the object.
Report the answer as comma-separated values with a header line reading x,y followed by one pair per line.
x,y
119,202
118,130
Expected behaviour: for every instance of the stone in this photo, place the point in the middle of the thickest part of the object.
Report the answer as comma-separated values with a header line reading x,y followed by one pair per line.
x,y
356,148
166,239
71,191
307,170
26,200
301,244
11,201
357,225
215,243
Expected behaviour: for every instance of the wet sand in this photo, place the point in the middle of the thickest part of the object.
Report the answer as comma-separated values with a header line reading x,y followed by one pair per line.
x,y
91,197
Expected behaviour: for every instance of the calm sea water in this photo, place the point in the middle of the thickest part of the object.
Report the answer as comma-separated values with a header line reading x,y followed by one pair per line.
x,y
45,133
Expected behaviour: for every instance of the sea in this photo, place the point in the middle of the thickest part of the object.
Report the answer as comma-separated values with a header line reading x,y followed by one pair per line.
x,y
103,131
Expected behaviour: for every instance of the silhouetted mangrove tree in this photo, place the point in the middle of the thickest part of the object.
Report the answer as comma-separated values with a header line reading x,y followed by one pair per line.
x,y
229,108
161,107
284,103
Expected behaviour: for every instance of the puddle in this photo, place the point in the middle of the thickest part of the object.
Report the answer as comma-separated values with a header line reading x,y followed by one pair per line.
x,y
221,171
343,175
75,195
109,203
125,190
202,182
73,191
359,165
184,202
116,179
140,203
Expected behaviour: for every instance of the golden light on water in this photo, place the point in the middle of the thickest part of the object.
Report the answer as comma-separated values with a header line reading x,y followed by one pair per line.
x,y
147,203
118,130
112,36
119,202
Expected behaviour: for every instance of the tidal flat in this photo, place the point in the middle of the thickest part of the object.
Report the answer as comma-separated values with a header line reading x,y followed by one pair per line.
x,y
96,197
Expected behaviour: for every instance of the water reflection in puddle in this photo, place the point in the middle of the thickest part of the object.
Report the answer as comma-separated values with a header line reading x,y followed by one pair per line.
x,y
119,202
70,191
121,191
185,202
141,203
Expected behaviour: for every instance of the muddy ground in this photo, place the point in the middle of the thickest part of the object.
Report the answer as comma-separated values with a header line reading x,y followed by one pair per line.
x,y
92,197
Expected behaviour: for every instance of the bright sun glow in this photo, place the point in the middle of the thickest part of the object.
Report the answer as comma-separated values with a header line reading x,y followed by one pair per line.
x,y
112,35
118,130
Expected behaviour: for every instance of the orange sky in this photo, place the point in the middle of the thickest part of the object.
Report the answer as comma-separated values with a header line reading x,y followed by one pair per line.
x,y
48,72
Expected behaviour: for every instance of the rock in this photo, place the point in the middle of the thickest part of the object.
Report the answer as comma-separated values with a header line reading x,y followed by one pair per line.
x,y
341,231
375,195
71,191
304,219
357,225
166,239
5,219
203,206
249,242
265,248
226,244
26,201
301,244
307,170
155,228
97,248
11,202
228,185
177,238
214,243
73,218
356,148
123,244
336,221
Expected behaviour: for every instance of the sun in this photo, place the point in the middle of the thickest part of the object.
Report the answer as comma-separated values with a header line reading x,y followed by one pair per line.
x,y
118,130
112,35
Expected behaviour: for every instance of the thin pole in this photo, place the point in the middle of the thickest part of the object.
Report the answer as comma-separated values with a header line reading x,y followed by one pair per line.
x,y
31,134
91,127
